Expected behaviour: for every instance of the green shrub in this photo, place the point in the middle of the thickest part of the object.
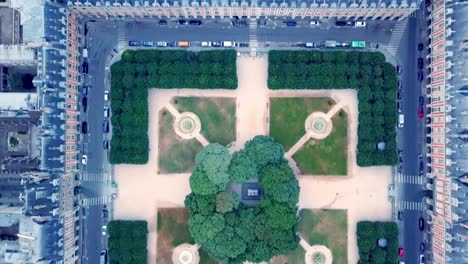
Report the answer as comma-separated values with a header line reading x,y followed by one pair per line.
x,y
127,242
368,233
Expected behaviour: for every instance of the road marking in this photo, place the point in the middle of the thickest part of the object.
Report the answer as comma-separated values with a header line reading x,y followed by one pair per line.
x,y
409,179
95,177
121,35
396,37
253,33
94,201
410,205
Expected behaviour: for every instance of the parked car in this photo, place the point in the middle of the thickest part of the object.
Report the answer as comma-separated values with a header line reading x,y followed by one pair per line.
x,y
106,111
206,44
244,45
400,84
148,43
105,144
400,215
105,126
84,127
84,90
399,106
291,23
217,44
104,230
422,247
195,22
399,95
344,23
314,23
420,46
421,101
422,259
85,67
162,22
420,76
398,69
106,95
401,252
84,103
360,24
182,22
172,44
134,43
421,223
161,44
84,160
420,63
420,112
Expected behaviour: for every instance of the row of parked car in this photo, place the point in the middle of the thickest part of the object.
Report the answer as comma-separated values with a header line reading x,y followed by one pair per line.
x,y
185,44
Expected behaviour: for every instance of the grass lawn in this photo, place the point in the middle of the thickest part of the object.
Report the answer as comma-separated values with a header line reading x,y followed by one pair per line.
x,y
176,155
328,156
326,227
217,115
288,115
173,231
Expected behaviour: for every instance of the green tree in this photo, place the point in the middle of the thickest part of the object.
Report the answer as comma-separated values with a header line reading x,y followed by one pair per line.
x,y
264,150
242,168
280,183
226,202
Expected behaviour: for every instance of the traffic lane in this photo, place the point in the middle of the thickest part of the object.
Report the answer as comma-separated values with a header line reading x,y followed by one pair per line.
x,y
93,234
301,34
413,236
148,31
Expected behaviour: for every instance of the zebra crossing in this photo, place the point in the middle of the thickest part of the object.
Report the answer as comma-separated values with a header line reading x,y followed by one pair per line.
x,y
409,205
253,33
93,201
121,35
410,179
95,177
418,13
397,34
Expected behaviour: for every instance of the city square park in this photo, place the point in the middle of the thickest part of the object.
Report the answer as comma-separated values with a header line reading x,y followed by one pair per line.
x,y
251,159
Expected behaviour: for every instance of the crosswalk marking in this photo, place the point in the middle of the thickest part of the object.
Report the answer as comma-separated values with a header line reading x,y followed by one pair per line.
x,y
95,177
396,37
253,33
121,35
93,201
410,205
410,179
418,13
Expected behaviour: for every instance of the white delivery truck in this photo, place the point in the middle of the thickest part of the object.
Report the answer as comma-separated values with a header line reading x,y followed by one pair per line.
x,y
229,44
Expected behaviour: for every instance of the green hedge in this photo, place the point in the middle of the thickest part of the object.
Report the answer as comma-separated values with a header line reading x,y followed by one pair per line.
x,y
141,69
368,233
127,242
368,72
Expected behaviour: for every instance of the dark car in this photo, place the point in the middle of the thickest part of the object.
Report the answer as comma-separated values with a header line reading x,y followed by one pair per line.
x,y
398,69
84,103
182,22
162,22
244,45
421,100
420,76
428,120
420,46
399,96
85,67
341,23
134,43
428,130
172,44
105,126
422,247
400,84
217,44
105,144
291,23
84,90
420,63
84,127
421,223
195,22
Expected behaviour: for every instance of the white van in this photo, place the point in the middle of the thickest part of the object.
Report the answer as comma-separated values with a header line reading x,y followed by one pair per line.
x,y
401,120
229,44
206,44
106,111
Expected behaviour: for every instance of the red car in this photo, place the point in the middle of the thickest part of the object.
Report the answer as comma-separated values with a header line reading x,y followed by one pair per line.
x,y
420,112
401,252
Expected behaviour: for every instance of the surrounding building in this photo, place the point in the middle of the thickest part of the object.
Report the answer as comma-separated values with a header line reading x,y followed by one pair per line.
x,y
447,133
348,9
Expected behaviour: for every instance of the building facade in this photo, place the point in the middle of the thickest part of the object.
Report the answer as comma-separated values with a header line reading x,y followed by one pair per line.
x,y
347,9
447,133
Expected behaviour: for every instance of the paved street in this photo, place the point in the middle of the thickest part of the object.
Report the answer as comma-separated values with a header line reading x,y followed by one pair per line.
x,y
103,37
410,186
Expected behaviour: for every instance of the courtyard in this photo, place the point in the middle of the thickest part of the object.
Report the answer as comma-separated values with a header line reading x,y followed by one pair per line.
x,y
362,192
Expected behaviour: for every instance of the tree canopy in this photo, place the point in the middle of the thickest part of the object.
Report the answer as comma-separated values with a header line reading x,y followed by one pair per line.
x,y
127,241
233,232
